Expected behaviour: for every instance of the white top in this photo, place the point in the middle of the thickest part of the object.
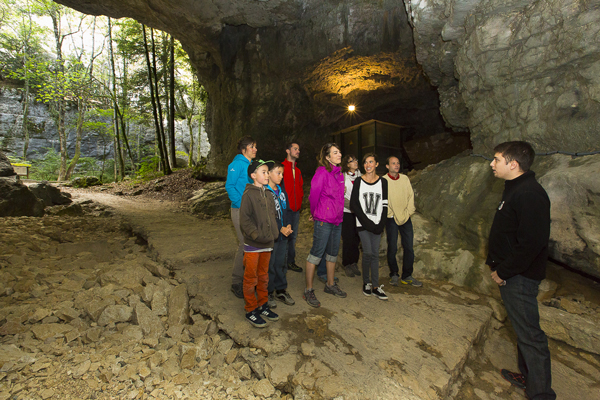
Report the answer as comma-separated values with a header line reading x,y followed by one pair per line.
x,y
349,183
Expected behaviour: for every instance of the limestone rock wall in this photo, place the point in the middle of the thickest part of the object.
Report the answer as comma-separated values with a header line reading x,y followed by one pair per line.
x,y
44,135
514,69
458,199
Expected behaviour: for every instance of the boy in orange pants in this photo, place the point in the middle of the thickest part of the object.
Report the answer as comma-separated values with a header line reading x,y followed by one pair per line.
x,y
259,228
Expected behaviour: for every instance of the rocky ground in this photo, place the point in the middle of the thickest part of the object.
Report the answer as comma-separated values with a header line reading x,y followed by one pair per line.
x,y
129,300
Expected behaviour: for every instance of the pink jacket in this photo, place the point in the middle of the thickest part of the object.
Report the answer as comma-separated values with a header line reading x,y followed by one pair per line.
x,y
327,195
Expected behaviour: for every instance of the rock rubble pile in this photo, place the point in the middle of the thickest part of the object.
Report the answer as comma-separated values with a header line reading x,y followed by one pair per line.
x,y
85,313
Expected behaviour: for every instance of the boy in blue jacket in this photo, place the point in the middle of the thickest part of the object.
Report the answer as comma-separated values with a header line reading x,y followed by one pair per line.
x,y
277,266
237,178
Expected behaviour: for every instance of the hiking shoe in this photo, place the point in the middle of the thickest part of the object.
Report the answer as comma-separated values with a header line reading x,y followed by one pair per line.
x,y
324,279
255,319
285,298
294,267
367,289
409,280
349,271
335,290
311,298
266,312
272,303
514,378
356,269
238,290
394,280
379,293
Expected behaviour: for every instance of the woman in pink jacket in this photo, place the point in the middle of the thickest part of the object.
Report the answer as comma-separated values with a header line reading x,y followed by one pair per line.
x,y
327,210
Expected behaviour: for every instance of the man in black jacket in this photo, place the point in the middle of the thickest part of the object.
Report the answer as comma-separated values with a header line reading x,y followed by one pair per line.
x,y
518,250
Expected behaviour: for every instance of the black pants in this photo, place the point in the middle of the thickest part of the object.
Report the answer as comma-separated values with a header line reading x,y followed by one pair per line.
x,y
350,240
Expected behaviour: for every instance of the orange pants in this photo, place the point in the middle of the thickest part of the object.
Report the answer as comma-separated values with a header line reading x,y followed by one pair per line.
x,y
256,279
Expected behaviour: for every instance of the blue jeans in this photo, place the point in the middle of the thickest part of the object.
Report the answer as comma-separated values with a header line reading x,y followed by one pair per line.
x,y
291,242
277,267
326,242
519,297
406,240
322,268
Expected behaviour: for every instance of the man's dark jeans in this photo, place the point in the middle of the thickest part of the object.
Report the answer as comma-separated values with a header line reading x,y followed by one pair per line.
x,y
406,238
519,297
291,242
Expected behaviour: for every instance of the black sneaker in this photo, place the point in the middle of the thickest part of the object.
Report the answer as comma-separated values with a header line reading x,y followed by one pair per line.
x,y
238,290
255,319
294,267
379,293
367,289
356,269
514,378
266,312
349,271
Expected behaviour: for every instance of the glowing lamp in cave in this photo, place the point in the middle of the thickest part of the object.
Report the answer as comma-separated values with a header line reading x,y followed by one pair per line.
x,y
351,108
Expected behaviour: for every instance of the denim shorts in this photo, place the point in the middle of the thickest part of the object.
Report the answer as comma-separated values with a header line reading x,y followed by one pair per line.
x,y
326,241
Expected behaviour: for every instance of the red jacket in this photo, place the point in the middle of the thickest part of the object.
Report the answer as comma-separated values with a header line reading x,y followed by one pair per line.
x,y
293,186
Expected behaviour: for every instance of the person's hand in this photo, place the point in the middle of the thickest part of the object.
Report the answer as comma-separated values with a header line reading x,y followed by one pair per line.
x,y
310,218
286,230
497,279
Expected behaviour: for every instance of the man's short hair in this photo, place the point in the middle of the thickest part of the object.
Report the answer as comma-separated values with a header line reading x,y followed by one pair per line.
x,y
290,144
519,151
387,160
244,142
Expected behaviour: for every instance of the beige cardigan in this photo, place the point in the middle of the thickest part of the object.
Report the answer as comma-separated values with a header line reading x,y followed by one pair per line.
x,y
401,199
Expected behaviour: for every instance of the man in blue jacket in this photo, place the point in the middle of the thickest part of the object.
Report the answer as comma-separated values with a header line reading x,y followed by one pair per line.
x,y
517,254
237,178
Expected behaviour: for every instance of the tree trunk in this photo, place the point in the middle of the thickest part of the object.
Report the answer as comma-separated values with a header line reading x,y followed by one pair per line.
x,y
80,119
60,103
172,103
118,152
191,156
167,168
154,109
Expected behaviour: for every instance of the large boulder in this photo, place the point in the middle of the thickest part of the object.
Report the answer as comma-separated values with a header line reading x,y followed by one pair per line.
x,y
85,181
457,199
16,200
50,195
5,168
211,201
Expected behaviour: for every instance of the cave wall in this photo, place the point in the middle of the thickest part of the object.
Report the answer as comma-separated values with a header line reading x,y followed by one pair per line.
x,y
514,69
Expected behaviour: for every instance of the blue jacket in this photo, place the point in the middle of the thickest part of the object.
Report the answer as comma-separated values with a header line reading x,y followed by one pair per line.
x,y
237,178
282,209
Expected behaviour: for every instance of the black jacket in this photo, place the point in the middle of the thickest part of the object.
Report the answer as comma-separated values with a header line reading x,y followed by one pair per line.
x,y
518,243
